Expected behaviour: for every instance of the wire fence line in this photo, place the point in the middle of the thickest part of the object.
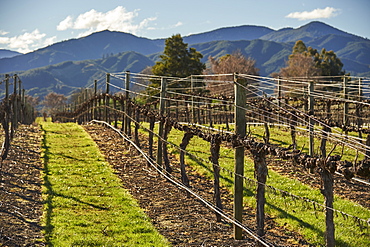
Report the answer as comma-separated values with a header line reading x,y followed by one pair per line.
x,y
198,104
14,110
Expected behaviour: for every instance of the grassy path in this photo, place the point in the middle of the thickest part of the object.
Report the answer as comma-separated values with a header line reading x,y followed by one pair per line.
x,y
85,204
302,218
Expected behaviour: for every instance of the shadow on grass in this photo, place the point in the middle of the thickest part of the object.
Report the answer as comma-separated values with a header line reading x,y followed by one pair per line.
x,y
50,193
281,212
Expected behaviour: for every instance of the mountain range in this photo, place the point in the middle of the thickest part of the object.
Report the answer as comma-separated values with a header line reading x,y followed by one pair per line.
x,y
67,65
8,53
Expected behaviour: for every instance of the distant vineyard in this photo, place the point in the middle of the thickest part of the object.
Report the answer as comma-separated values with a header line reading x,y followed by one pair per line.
x,y
324,109
14,110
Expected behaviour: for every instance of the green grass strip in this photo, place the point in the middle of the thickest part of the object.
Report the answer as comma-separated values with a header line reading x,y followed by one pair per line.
x,y
294,215
85,204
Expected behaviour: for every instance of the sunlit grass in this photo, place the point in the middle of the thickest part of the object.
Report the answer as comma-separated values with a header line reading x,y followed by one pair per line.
x,y
85,204
295,215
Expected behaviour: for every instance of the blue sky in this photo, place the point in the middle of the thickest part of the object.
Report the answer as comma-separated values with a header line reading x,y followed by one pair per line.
x,y
26,25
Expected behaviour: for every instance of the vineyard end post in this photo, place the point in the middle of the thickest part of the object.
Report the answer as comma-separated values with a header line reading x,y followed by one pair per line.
x,y
161,122
107,82
127,121
240,130
311,103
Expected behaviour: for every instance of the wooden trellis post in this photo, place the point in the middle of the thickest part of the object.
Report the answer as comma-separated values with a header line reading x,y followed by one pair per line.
x,y
359,108
215,154
311,103
260,170
5,121
326,129
328,192
279,97
95,102
345,96
115,113
151,135
167,128
162,103
15,106
240,130
106,97
127,122
184,143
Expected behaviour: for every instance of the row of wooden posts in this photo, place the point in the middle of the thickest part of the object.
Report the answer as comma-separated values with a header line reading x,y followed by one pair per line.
x,y
13,110
240,130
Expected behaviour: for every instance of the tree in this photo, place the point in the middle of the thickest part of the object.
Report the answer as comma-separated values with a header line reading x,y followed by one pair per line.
x,y
308,62
53,101
228,64
235,62
300,65
178,61
329,63
33,101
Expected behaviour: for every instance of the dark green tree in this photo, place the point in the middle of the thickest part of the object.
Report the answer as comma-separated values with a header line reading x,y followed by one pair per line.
x,y
299,47
325,63
178,60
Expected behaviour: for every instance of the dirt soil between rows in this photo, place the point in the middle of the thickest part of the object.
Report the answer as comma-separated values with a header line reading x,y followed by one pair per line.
x,y
20,190
182,219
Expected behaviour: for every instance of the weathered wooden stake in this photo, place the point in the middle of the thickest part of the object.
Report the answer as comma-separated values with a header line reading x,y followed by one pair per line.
x,y
95,103
240,130
367,152
151,135
326,129
327,191
345,96
162,103
260,170
311,103
166,131
115,113
293,123
184,143
359,109
127,122
279,96
106,97
137,126
15,106
215,155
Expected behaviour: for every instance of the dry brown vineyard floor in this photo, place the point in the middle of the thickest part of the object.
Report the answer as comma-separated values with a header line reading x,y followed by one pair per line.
x,y
20,190
183,220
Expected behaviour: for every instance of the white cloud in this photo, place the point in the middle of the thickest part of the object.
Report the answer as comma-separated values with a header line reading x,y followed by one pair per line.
x,y
26,42
178,24
3,32
118,19
328,12
65,24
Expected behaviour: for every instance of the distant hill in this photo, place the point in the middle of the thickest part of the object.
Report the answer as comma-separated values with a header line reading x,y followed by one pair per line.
x,y
94,46
74,63
8,53
246,32
305,33
68,76
270,56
